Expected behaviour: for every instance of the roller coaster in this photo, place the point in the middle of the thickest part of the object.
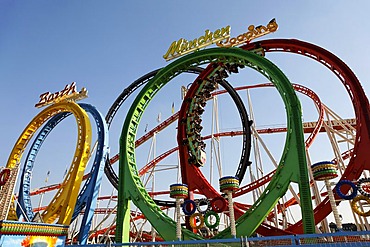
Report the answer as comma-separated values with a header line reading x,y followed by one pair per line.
x,y
262,202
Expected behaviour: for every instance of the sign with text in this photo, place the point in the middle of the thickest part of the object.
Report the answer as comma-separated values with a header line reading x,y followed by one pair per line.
x,y
220,37
183,46
68,93
252,33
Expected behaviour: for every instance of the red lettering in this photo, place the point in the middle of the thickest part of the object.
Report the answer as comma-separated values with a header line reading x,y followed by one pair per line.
x,y
43,99
48,98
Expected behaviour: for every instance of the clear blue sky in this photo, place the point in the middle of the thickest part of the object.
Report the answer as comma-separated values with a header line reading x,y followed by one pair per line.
x,y
106,45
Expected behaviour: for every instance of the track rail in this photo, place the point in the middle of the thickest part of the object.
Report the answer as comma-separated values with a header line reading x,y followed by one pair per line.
x,y
110,173
67,195
187,170
312,127
245,189
360,161
88,194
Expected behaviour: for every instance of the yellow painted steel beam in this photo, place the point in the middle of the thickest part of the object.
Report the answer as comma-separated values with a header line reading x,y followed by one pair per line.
x,y
64,201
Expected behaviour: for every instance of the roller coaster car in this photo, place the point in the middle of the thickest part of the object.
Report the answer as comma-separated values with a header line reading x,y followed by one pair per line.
x,y
201,158
223,73
191,160
232,67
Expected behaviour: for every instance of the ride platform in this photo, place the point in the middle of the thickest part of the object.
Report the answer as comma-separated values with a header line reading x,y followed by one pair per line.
x,y
27,234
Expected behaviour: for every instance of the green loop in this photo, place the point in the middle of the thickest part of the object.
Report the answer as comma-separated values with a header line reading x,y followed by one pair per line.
x,y
292,166
209,214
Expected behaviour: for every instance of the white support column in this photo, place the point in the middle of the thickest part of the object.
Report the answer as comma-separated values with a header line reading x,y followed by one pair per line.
x,y
231,213
333,204
178,219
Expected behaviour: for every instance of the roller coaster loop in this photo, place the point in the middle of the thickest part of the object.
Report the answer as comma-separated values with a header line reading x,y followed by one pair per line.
x,y
88,194
66,197
292,166
360,161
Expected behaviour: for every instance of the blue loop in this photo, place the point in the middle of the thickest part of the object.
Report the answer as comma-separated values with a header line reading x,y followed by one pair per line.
x,y
185,206
346,197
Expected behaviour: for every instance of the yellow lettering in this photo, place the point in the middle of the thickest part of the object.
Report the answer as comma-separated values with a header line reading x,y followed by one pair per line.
x,y
225,31
208,36
193,44
217,34
201,40
174,47
182,46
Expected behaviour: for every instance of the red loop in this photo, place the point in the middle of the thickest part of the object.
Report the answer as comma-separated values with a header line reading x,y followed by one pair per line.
x,y
215,205
4,176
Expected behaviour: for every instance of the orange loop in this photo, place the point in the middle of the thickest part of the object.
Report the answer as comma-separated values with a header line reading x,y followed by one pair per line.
x,y
193,223
355,207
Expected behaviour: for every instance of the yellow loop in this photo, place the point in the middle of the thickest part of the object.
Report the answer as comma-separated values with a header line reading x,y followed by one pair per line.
x,y
355,207
193,223
64,201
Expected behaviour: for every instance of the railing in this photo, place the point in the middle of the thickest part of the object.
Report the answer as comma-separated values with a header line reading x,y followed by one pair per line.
x,y
337,239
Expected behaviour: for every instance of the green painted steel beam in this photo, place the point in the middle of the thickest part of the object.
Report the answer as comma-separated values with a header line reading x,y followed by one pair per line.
x,y
292,165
